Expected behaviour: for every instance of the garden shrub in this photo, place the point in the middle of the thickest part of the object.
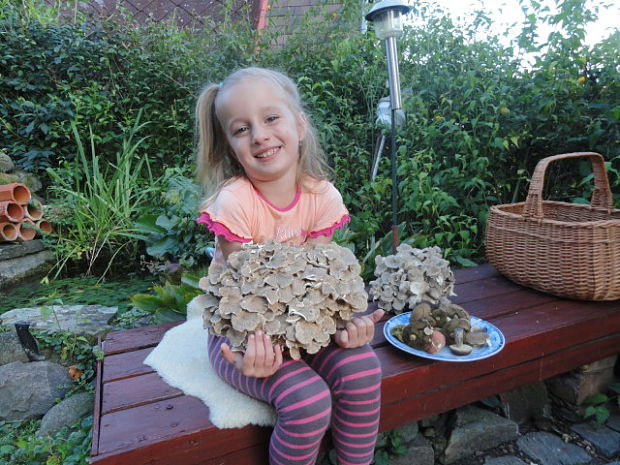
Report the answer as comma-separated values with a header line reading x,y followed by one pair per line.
x,y
172,234
479,114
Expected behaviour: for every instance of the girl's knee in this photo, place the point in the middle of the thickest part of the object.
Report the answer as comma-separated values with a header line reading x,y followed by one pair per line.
x,y
307,405
358,369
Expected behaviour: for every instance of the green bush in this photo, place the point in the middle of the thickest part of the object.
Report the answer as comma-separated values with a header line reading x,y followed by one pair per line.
x,y
479,114
174,235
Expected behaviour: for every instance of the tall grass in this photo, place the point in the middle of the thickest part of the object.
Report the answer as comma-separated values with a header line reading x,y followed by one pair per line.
x,y
96,203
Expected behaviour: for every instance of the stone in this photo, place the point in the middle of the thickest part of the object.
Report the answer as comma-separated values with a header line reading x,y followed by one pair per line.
x,y
66,413
477,429
19,250
419,452
14,270
603,364
542,447
29,390
86,320
613,421
408,431
29,179
382,440
6,178
506,460
6,163
10,348
578,385
525,403
605,440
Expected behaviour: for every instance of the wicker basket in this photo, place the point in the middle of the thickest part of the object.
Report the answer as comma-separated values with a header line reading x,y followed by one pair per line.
x,y
569,250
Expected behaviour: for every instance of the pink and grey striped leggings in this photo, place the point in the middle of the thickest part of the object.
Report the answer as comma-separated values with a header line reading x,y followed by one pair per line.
x,y
337,388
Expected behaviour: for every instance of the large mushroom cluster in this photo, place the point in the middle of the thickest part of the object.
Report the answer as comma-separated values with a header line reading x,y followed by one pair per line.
x,y
298,294
410,277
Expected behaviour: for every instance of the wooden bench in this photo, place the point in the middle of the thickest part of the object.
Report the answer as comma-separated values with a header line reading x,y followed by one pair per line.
x,y
139,419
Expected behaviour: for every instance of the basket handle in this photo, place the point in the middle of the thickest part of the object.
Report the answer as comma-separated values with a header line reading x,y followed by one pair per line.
x,y
601,197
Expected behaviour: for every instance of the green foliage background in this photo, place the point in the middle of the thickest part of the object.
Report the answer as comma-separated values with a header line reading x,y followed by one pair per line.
x,y
478,117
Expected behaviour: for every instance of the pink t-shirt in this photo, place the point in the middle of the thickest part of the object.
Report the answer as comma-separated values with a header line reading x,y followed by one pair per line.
x,y
241,213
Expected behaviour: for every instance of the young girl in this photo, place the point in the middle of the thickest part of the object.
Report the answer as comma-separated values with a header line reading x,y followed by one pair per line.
x,y
265,177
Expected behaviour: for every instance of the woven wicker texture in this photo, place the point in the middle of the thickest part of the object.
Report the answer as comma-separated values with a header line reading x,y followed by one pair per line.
x,y
568,250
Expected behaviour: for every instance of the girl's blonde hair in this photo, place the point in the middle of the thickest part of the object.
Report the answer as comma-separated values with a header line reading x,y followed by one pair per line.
x,y
215,162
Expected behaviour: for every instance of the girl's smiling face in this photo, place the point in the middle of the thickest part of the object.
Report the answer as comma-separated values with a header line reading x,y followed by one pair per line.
x,y
262,129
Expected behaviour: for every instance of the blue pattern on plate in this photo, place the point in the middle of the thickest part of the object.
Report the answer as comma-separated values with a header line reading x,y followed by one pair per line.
x,y
496,337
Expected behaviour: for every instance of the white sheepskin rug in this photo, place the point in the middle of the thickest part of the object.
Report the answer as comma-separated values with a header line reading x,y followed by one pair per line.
x,y
182,360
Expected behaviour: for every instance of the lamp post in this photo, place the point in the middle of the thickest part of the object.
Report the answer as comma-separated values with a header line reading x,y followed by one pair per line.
x,y
387,16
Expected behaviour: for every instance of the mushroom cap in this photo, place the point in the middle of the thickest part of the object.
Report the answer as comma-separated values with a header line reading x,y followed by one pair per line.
x,y
462,349
438,342
420,311
477,337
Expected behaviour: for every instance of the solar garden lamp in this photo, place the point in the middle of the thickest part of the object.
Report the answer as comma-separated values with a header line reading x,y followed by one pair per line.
x,y
387,17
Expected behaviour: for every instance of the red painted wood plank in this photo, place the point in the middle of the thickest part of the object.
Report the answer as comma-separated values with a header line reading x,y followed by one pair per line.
x,y
135,338
139,390
445,398
94,447
482,289
125,364
474,273
497,305
192,449
172,420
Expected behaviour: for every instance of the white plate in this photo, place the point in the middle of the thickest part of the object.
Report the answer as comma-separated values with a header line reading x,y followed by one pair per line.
x,y
496,339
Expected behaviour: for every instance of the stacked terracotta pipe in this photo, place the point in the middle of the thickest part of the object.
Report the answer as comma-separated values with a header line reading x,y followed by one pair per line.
x,y
17,208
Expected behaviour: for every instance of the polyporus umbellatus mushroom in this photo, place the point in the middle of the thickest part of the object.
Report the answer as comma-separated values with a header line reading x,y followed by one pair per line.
x,y
298,294
411,276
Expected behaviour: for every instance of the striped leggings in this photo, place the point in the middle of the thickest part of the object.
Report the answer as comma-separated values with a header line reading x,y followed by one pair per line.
x,y
337,388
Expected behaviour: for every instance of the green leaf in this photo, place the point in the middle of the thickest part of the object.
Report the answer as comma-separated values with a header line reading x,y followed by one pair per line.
x,y
166,316
166,222
146,302
161,248
602,414
382,457
598,398
191,280
147,224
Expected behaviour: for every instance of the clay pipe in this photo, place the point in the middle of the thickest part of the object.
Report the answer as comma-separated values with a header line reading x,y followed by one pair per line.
x,y
11,211
15,192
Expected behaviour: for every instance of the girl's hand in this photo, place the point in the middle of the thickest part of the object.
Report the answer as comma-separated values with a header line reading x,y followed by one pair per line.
x,y
358,331
260,360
